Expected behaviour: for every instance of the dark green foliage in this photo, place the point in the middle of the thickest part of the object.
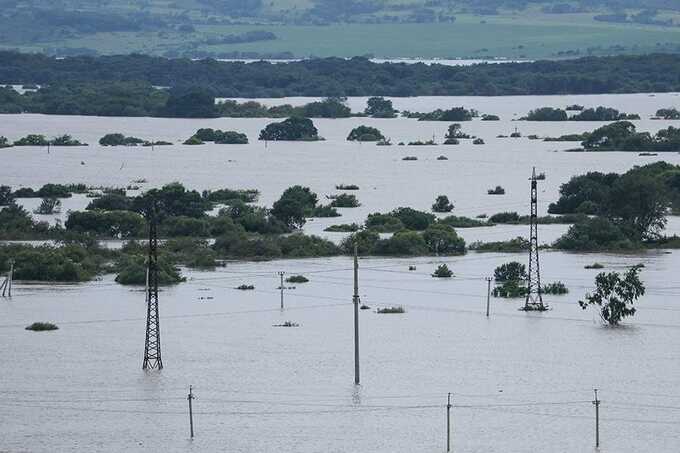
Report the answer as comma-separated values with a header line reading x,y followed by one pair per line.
x,y
238,245
486,117
603,114
413,219
189,251
402,243
594,234
615,295
345,201
293,205
172,200
442,239
5,195
455,132
510,289
364,240
518,244
66,140
347,187
498,190
119,140
365,134
510,280
96,97
509,272
453,114
391,310
132,271
42,326
219,137
193,140
297,279
623,136
635,202
593,266
379,107
478,141
111,202
355,77
16,223
48,206
294,129
383,223
343,228
546,114
328,108
68,263
228,196
4,143
442,204
32,140
555,288
504,217
190,103
463,222
568,138
322,211
443,271
113,224
668,114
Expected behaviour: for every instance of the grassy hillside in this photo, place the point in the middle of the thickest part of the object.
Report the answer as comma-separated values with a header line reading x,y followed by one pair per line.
x,y
285,28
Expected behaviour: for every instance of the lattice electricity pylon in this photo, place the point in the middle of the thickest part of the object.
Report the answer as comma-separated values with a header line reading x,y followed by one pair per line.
x,y
534,299
152,345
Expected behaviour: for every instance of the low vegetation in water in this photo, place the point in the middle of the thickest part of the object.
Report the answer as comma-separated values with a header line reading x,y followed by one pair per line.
x,y
498,190
218,137
287,324
42,326
345,201
594,266
555,288
291,129
365,134
246,287
442,271
347,187
442,204
343,228
297,279
391,310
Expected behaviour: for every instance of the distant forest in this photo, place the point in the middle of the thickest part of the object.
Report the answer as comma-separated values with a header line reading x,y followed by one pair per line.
x,y
352,77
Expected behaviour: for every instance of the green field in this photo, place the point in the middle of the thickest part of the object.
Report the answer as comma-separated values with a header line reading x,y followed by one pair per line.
x,y
528,36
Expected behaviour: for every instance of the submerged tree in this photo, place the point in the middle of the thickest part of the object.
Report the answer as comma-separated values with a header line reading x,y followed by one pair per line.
x,y
615,295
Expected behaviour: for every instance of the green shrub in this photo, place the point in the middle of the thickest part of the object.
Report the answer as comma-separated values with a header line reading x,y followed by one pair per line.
x,y
42,326
297,279
443,271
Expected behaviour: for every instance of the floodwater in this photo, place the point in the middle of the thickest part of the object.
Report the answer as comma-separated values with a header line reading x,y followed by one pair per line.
x,y
521,382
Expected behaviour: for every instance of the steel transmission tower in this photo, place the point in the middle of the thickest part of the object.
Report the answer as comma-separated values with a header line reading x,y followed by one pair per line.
x,y
534,299
152,345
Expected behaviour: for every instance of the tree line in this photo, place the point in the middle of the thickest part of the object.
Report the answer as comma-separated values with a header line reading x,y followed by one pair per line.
x,y
357,76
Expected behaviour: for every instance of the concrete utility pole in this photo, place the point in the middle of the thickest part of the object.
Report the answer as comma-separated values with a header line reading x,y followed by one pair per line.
x,y
281,274
448,423
355,300
488,295
191,413
596,403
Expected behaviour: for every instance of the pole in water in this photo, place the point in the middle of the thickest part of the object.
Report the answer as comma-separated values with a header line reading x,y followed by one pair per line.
x,y
448,423
596,402
281,287
191,413
488,295
355,300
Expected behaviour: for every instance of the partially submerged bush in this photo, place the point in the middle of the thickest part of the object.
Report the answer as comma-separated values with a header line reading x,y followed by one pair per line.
x,y
42,326
556,288
391,310
297,279
365,134
442,204
443,271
